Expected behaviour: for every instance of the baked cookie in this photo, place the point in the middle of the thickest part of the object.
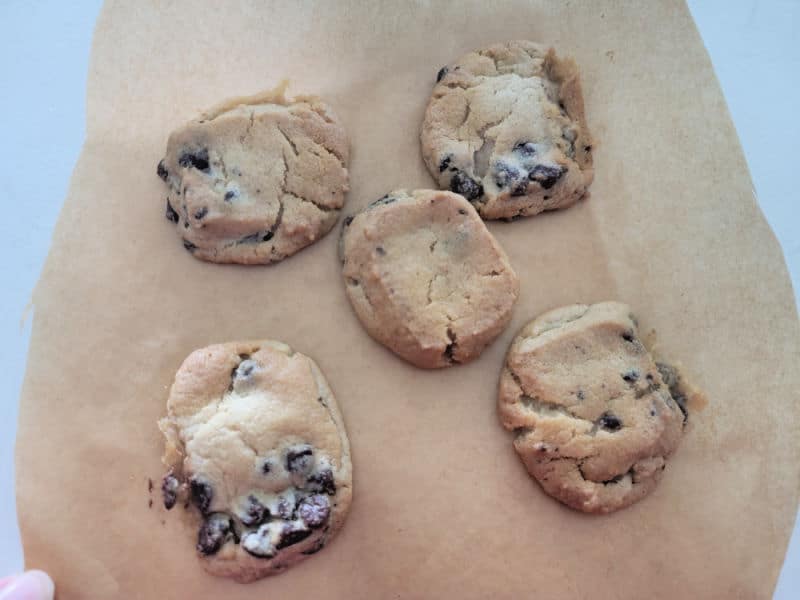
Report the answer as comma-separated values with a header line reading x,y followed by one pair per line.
x,y
257,450
594,417
426,278
505,128
256,179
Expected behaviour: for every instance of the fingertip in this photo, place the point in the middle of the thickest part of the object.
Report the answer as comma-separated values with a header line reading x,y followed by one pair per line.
x,y
45,583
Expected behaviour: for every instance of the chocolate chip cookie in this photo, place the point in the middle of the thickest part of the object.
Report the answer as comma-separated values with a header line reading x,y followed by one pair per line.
x,y
426,278
256,179
505,128
257,452
594,417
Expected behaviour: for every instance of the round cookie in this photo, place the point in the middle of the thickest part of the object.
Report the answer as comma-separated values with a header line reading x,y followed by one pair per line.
x,y
257,449
426,278
256,179
594,417
505,128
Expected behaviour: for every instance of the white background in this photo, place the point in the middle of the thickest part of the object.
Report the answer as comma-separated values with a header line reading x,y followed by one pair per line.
x,y
44,51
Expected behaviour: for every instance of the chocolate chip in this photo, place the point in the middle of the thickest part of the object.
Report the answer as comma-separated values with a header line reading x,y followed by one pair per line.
x,y
169,490
230,195
505,174
269,235
609,422
314,510
546,175
581,395
442,72
347,221
161,170
387,199
197,160
292,533
525,149
463,184
266,467
445,163
300,459
461,211
200,213
255,512
213,533
202,494
322,482
286,508
246,368
189,246
627,336
672,380
380,250
587,148
631,376
171,214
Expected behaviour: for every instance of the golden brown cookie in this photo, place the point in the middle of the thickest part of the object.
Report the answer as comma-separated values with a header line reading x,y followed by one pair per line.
x,y
257,448
426,278
505,128
594,417
256,179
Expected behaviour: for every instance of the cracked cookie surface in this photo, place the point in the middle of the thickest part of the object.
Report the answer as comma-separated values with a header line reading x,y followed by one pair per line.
x,y
594,417
426,278
256,179
505,128
258,454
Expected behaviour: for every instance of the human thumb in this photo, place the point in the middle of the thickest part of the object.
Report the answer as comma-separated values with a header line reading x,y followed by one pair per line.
x,y
31,585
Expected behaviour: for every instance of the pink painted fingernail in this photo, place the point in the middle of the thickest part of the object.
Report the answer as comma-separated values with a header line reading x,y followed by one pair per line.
x,y
31,585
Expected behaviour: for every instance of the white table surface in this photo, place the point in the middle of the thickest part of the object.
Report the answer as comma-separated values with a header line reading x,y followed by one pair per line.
x,y
44,51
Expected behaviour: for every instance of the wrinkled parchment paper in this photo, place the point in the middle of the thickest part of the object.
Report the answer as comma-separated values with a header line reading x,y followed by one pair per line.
x,y
442,506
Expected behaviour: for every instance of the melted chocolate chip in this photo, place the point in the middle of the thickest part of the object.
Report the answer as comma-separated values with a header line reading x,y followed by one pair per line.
x,y
581,395
347,221
322,482
609,422
161,170
202,494
442,72
314,510
266,467
463,184
230,195
387,199
672,380
292,534
300,459
380,250
255,512
196,160
169,490
631,376
286,508
546,175
627,336
189,246
525,149
200,213
170,213
213,533
445,163
505,174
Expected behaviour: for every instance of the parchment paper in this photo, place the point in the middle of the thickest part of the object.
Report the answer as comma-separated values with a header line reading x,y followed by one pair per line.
x,y
442,505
